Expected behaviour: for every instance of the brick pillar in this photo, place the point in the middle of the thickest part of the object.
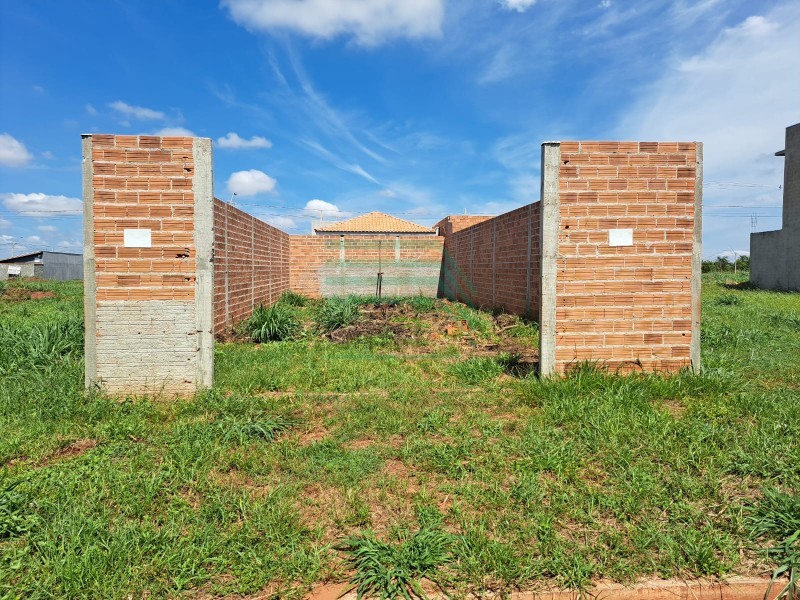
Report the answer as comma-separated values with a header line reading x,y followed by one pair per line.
x,y
621,255
147,257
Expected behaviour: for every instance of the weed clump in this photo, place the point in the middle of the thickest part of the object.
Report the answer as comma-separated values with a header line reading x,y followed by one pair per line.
x,y
276,323
265,428
775,518
336,313
40,344
394,570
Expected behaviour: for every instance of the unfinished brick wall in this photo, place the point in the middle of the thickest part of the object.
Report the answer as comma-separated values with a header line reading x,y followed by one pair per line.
x,y
146,269
609,260
454,223
339,265
251,265
494,263
627,261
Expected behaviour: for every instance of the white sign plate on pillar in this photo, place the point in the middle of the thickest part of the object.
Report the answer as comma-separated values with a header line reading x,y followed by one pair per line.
x,y
620,237
137,238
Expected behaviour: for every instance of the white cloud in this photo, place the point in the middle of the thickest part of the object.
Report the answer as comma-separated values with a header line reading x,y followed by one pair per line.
x,y
175,132
91,110
736,96
137,112
281,222
42,205
4,223
47,228
320,208
70,244
250,183
517,5
48,155
34,239
13,153
233,141
387,193
370,22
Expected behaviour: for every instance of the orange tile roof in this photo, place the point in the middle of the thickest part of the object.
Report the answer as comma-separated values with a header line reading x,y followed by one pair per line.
x,y
374,222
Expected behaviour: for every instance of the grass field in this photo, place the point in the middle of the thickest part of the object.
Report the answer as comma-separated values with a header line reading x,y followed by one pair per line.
x,y
424,446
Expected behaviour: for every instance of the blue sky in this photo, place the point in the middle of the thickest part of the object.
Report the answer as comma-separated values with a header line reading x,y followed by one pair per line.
x,y
419,108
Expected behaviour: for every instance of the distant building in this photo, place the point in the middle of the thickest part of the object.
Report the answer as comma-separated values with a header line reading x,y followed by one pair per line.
x,y
374,223
775,255
44,265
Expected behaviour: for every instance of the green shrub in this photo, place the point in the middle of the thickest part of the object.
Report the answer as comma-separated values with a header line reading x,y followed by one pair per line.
x,y
294,299
476,370
394,570
336,313
275,323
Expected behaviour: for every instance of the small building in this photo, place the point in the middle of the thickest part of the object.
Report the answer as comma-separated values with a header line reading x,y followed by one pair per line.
x,y
44,265
775,255
374,223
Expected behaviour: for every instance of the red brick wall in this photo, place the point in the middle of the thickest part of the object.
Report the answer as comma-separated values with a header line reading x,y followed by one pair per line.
x,y
143,182
251,265
453,223
495,263
147,328
331,265
629,307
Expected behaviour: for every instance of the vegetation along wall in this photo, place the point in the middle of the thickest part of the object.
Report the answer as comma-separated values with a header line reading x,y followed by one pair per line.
x,y
251,265
493,263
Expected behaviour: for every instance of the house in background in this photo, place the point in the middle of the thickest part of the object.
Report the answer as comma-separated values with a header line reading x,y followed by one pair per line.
x,y
44,265
775,255
373,253
374,223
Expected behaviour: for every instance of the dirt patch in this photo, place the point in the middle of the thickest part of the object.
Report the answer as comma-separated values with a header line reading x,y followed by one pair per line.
x,y
369,327
674,408
20,294
312,436
394,441
41,295
73,450
329,591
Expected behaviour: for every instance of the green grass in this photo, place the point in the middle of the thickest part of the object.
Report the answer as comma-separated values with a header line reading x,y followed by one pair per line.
x,y
305,446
